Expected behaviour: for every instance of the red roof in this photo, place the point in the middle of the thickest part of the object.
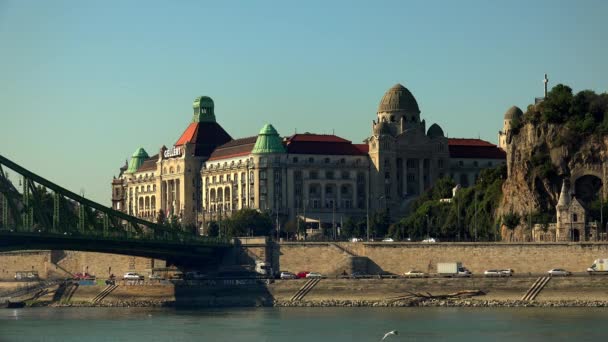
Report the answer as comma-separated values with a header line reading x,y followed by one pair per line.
x,y
311,137
206,136
364,148
474,148
234,148
468,142
308,143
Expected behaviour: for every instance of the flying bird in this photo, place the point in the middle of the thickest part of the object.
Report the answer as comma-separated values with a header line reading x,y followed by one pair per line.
x,y
394,332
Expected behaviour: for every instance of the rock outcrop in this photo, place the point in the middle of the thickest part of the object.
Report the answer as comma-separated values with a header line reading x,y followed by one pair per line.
x,y
540,156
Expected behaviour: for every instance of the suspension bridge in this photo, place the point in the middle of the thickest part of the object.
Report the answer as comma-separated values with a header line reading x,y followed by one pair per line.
x,y
36,213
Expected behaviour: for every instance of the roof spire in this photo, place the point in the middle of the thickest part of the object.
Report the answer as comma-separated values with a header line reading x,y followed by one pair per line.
x,y
203,109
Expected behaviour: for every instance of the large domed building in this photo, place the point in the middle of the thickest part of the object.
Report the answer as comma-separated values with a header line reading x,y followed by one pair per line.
x,y
316,178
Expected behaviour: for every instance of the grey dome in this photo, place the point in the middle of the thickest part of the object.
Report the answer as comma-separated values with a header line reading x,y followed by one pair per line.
x,y
513,112
398,98
435,131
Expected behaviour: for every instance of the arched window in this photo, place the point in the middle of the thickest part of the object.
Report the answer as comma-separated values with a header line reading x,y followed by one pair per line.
x,y
171,170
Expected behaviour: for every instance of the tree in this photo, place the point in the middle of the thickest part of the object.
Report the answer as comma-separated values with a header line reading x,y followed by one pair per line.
x,y
248,222
213,229
290,227
160,218
379,223
352,228
511,221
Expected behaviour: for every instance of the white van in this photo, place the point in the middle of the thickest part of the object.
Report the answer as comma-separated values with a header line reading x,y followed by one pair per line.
x,y
599,266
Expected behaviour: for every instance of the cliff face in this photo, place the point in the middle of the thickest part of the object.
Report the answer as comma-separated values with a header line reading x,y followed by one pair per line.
x,y
539,157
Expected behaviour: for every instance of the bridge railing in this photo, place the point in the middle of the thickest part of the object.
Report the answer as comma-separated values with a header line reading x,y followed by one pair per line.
x,y
43,207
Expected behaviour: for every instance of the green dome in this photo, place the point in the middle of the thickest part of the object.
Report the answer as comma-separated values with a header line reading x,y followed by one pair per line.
x,y
434,131
268,141
137,159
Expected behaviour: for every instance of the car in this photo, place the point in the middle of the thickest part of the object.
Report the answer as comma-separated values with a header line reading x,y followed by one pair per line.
x,y
314,275
302,274
83,276
359,275
388,240
559,272
429,240
132,276
356,239
493,273
287,275
507,272
194,275
415,274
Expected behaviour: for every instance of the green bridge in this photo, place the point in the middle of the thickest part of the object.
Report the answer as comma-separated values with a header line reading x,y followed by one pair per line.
x,y
38,214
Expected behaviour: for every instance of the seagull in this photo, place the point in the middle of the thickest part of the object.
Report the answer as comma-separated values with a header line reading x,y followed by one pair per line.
x,y
394,332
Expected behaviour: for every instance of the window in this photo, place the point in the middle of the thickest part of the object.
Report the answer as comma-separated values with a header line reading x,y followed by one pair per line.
x,y
311,160
295,160
460,163
345,175
475,163
342,161
262,174
329,174
490,164
387,163
410,177
314,175
326,160
574,218
387,175
440,163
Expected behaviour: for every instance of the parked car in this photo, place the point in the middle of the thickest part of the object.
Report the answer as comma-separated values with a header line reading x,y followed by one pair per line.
x,y
415,274
493,273
132,276
287,275
388,240
559,272
360,275
194,275
176,276
314,275
429,240
83,276
507,272
302,274
356,239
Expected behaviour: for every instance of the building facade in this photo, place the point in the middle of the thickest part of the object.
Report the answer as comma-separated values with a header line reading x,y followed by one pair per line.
x,y
323,179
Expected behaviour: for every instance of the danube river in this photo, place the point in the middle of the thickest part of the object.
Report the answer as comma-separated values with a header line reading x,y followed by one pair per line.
x,y
303,324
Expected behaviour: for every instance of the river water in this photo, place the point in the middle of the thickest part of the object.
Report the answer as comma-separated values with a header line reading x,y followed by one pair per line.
x,y
303,324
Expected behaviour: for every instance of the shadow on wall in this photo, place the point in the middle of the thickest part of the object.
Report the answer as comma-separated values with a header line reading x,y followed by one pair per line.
x,y
232,283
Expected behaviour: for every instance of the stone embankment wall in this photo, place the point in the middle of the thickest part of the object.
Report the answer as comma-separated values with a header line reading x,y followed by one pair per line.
x,y
401,257
61,263
332,259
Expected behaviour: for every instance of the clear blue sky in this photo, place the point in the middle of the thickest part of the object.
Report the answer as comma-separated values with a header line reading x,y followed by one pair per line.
x,y
84,84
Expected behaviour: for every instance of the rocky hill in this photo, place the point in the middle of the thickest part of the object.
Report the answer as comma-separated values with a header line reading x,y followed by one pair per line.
x,y
561,138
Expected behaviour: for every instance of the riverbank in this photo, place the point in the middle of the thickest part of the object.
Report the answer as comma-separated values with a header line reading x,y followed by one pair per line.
x,y
469,303
581,291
